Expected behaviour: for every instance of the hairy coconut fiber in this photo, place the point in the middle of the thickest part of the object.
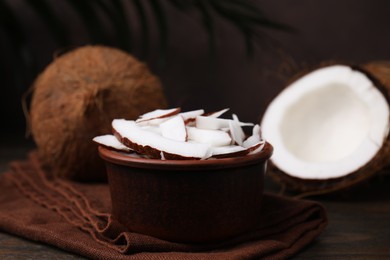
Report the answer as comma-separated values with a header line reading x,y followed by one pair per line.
x,y
75,99
379,74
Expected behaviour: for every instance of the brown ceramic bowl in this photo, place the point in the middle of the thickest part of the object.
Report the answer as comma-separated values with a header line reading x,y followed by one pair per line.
x,y
195,201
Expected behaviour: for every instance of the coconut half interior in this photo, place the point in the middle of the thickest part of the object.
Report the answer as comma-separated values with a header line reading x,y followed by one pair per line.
x,y
327,124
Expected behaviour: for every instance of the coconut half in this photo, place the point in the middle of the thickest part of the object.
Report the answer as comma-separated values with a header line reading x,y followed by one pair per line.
x,y
328,129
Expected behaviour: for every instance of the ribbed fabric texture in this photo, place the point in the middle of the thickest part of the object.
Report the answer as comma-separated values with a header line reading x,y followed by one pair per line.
x,y
76,217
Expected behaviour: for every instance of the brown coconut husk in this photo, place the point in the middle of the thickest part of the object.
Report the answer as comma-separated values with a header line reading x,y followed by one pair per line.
x,y
75,99
379,74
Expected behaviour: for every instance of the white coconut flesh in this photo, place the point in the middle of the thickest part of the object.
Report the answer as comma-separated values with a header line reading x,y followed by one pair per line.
x,y
158,114
254,138
151,128
327,124
212,123
191,115
218,113
111,142
212,137
136,134
173,139
174,129
227,150
236,131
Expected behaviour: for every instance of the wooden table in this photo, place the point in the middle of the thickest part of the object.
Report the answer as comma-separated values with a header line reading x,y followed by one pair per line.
x,y
359,221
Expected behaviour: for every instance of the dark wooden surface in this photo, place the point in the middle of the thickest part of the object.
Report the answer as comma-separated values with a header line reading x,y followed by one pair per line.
x,y
359,221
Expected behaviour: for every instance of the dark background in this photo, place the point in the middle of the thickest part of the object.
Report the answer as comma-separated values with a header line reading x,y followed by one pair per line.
x,y
347,30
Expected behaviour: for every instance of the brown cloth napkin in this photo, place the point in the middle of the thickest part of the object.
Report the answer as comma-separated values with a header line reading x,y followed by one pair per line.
x,y
75,217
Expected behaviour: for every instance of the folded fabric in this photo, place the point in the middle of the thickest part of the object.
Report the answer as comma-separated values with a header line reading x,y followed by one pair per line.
x,y
76,217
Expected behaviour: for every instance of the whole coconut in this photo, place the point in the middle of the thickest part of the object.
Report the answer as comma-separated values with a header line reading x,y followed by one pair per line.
x,y
75,99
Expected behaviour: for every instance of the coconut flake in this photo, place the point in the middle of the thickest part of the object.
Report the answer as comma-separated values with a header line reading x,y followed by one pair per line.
x,y
158,114
112,142
255,148
163,134
154,122
206,122
236,131
152,128
174,129
235,118
236,150
212,137
153,144
254,138
218,113
228,151
190,116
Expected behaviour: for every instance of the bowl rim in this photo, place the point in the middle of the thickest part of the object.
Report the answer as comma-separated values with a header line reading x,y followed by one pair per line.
x,y
124,159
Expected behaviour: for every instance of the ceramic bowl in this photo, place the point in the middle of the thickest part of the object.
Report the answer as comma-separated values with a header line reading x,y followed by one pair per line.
x,y
191,201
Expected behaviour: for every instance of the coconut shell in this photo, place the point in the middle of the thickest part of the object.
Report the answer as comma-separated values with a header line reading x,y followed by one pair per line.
x,y
379,74
75,99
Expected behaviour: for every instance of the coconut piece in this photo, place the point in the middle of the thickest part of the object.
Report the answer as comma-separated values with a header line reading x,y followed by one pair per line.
x,y
158,114
207,122
212,137
152,128
217,113
236,131
235,118
228,151
152,144
254,138
111,142
236,150
174,129
75,99
154,122
330,129
257,147
190,116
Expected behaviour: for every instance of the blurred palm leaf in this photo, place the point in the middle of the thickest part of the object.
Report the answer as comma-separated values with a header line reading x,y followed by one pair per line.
x,y
244,14
23,64
98,15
